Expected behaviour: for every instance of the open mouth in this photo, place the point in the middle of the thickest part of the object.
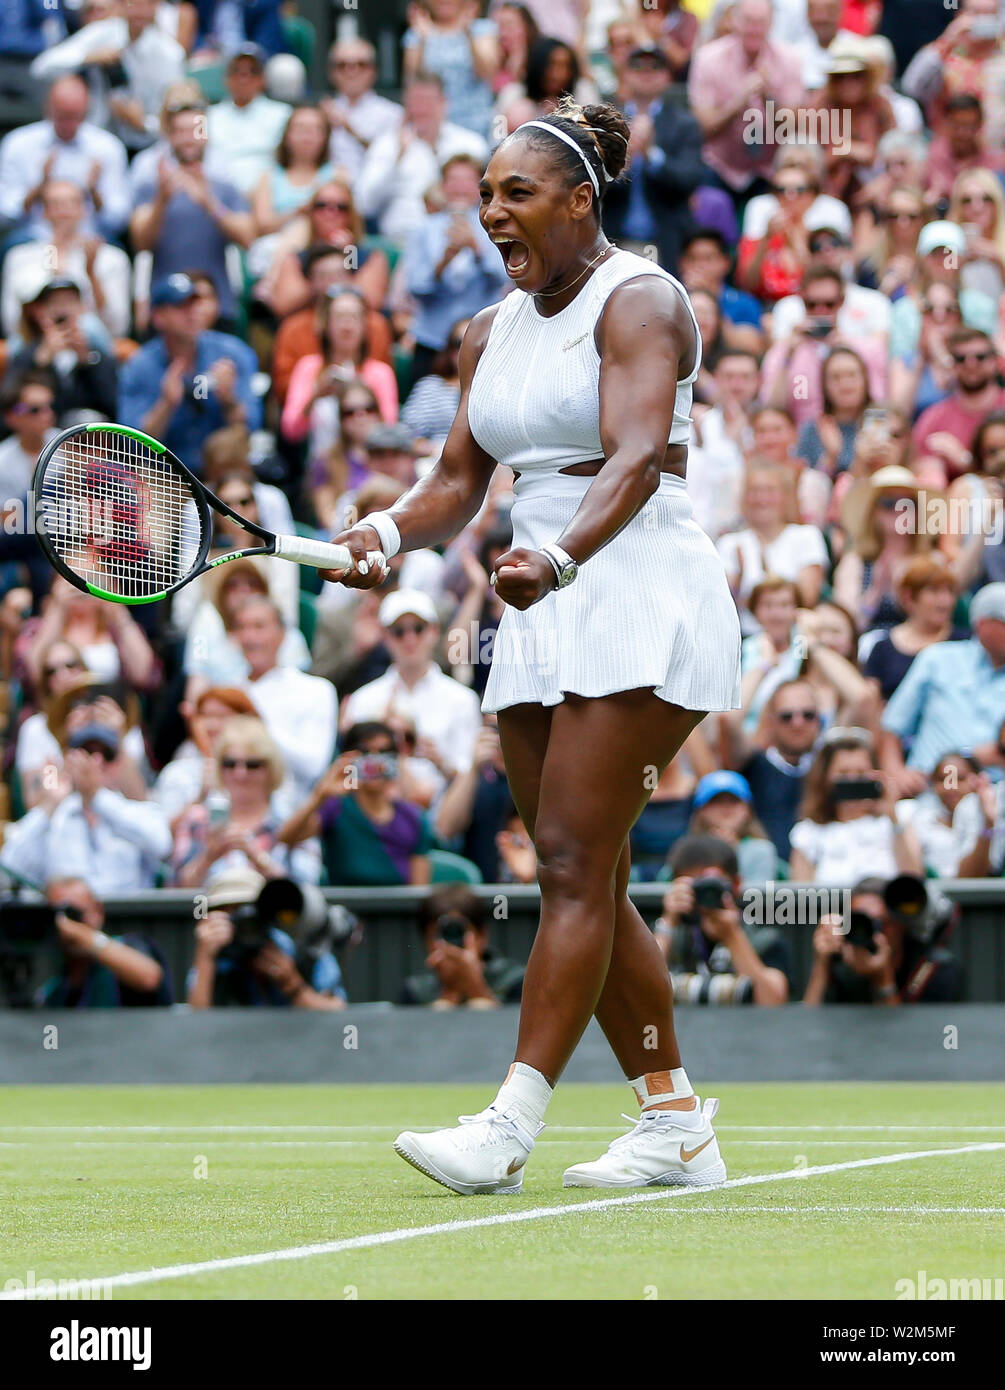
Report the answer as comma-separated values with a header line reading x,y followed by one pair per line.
x,y
516,256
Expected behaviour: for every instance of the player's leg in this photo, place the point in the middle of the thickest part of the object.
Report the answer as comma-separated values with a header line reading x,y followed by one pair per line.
x,y
597,776
582,797
673,1143
487,1153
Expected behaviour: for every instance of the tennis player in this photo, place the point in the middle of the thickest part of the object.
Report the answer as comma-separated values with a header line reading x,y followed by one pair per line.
x,y
618,636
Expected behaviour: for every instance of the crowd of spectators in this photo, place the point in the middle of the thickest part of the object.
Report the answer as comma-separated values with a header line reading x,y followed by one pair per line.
x,y
274,279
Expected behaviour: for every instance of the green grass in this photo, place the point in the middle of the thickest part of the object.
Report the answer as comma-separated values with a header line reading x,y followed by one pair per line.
x,y
92,1202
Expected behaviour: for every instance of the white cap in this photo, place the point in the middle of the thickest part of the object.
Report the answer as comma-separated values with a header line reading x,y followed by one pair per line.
x,y
404,601
828,215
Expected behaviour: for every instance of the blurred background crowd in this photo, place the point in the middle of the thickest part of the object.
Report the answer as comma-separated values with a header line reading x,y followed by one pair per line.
x,y
273,276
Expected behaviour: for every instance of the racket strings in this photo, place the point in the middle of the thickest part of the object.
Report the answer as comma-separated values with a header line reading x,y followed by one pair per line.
x,y
119,516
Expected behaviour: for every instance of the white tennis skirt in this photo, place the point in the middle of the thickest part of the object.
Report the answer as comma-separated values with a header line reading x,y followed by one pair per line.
x,y
651,609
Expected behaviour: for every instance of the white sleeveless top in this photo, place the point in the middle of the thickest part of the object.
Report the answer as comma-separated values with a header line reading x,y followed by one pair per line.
x,y
534,402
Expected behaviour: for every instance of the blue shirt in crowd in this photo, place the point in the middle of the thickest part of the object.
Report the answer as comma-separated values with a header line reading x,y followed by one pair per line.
x,y
189,237
472,280
28,26
199,414
952,700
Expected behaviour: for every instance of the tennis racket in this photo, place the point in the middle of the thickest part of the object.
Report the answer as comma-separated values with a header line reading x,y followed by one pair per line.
x,y
123,519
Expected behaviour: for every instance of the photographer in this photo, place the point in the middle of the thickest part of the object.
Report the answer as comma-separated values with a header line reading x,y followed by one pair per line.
x,y
849,821
461,967
369,835
711,957
888,950
98,971
241,960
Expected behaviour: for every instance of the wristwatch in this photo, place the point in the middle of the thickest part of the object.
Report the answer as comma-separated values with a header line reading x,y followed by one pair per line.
x,y
562,563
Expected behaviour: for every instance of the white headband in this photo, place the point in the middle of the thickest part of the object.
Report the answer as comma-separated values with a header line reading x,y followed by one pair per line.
x,y
562,135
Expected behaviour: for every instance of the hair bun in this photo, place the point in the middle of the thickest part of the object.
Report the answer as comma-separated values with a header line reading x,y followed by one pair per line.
x,y
607,127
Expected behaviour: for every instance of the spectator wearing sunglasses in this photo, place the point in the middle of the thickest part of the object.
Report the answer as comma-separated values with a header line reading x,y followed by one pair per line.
x,y
356,112
342,465
776,771
28,407
771,263
889,264
946,430
330,219
978,205
446,714
451,267
61,668
235,825
941,249
792,371
370,835
924,376
864,313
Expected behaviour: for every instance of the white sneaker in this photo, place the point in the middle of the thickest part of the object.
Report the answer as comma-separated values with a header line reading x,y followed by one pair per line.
x,y
663,1150
485,1153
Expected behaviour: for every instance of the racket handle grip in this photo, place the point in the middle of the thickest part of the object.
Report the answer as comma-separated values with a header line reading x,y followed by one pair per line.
x,y
321,554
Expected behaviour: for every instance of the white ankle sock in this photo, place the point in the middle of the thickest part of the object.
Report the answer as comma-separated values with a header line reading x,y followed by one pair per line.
x,y
656,1088
528,1090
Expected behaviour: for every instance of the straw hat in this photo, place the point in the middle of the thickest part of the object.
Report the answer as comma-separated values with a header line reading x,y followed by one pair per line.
x,y
847,54
856,508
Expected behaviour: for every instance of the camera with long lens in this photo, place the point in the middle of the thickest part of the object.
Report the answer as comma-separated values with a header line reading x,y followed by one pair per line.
x,y
299,909
912,902
709,891
921,907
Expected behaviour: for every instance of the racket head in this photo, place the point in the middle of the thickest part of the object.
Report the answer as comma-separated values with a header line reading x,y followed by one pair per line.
x,y
117,515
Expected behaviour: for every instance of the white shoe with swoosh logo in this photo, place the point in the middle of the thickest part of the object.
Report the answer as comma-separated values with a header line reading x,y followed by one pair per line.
x,y
486,1153
666,1148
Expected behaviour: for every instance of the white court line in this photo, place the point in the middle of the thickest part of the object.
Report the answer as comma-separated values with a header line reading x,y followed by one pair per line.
x,y
552,1129
378,1238
384,1143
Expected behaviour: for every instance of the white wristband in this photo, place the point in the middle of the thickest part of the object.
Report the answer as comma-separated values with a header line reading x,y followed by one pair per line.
x,y
385,526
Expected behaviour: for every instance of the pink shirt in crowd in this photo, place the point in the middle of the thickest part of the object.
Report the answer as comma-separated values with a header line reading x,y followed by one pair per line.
x,y
718,71
377,375
805,395
951,417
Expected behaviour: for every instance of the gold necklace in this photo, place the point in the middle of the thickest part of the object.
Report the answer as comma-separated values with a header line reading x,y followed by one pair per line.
x,y
550,294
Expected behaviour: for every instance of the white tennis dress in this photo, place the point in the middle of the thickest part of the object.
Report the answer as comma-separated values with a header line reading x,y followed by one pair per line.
x,y
652,608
